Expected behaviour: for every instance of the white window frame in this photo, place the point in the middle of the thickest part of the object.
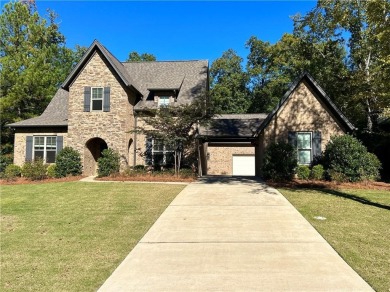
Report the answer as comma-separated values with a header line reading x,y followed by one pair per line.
x,y
305,149
166,150
45,147
92,99
163,101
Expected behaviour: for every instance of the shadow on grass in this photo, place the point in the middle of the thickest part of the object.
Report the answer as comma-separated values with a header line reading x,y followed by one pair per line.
x,y
340,194
353,198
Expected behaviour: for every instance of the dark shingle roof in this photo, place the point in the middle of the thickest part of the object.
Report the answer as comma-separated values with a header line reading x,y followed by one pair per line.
x,y
232,125
189,78
56,113
114,62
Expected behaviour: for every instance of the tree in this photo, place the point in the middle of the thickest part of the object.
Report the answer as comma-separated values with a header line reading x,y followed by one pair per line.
x,y
362,27
135,57
228,83
34,62
175,126
272,68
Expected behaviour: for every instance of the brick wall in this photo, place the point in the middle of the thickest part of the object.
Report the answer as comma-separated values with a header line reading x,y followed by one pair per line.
x,y
220,158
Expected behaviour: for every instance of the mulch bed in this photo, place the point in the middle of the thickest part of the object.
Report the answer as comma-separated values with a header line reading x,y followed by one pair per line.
x,y
23,181
300,184
148,178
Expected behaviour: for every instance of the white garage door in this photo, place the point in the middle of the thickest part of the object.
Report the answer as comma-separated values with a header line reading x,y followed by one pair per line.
x,y
244,165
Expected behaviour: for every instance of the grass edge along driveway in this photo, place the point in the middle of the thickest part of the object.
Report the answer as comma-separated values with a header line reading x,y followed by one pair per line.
x,y
71,236
356,226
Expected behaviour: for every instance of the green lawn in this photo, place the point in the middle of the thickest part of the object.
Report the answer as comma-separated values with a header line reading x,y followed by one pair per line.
x,y
71,236
357,225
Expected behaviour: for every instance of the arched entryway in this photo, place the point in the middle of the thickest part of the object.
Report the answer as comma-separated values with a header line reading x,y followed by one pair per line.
x,y
93,150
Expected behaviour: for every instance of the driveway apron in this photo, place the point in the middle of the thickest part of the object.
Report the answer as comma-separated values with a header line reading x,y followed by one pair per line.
x,y
232,234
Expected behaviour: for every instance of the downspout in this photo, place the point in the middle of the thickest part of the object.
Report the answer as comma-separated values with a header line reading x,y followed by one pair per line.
x,y
135,140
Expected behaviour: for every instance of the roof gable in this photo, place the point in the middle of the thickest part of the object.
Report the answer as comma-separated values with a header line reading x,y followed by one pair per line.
x,y
320,94
117,66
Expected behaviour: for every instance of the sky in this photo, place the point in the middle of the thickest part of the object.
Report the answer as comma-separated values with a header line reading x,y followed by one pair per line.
x,y
174,30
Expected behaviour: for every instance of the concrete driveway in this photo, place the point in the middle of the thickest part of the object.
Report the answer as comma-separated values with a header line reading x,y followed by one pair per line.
x,y
232,234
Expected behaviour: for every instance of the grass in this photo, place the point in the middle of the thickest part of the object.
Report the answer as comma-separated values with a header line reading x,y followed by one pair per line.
x,y
71,236
357,225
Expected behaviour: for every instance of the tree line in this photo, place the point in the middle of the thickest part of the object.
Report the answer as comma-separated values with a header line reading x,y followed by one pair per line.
x,y
344,45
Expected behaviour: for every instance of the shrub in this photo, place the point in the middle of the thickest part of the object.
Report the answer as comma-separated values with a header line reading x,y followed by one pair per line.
x,y
108,163
347,159
187,173
317,172
371,168
280,161
68,162
303,172
12,171
5,160
34,170
51,171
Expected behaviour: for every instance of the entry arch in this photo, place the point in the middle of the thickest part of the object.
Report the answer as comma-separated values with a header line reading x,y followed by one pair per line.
x,y
93,151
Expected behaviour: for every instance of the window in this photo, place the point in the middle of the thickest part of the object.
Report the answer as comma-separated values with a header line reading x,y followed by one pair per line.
x,y
304,147
97,99
159,153
45,148
163,101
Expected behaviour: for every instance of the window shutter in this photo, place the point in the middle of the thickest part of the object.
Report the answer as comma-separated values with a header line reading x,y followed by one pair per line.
x,y
292,139
148,150
60,143
106,99
87,99
29,148
316,144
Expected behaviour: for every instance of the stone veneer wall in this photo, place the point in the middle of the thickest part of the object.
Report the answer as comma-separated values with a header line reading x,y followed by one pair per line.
x,y
113,126
220,158
20,140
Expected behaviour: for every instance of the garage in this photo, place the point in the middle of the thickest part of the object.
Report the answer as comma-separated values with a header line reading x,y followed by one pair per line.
x,y
244,165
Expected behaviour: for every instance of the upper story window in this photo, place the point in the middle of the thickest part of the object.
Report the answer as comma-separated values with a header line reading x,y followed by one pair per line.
x,y
97,99
163,101
304,147
45,147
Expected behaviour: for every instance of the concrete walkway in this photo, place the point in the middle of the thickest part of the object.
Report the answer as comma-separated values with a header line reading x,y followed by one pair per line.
x,y
232,234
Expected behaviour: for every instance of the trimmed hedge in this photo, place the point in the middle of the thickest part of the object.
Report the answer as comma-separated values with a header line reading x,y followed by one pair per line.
x,y
12,171
34,170
317,172
303,172
68,162
108,163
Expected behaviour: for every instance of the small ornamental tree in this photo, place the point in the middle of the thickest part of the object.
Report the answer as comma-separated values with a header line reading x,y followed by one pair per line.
x,y
280,161
174,125
347,159
68,162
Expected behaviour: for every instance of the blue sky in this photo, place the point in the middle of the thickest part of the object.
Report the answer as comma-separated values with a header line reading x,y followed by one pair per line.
x,y
174,30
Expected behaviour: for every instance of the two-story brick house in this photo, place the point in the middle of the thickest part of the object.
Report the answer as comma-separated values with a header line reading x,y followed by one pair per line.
x,y
99,103
102,101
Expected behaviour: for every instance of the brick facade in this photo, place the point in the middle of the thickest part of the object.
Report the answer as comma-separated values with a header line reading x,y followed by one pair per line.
x,y
220,158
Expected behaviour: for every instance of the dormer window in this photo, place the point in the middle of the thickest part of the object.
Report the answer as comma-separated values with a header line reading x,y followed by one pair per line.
x,y
97,99
163,101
